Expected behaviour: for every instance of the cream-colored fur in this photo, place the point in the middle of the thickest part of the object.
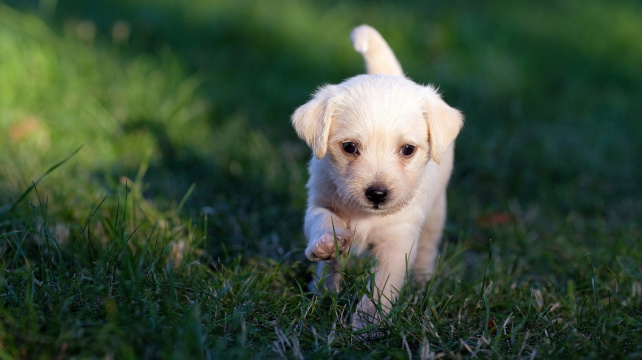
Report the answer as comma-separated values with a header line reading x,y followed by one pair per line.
x,y
377,197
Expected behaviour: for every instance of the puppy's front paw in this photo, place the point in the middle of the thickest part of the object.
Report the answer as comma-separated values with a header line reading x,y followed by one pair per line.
x,y
365,315
323,247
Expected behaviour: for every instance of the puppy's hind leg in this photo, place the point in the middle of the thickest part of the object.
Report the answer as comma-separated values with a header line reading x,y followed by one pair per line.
x,y
429,240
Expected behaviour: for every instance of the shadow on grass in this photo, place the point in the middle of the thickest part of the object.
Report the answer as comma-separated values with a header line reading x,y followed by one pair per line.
x,y
248,211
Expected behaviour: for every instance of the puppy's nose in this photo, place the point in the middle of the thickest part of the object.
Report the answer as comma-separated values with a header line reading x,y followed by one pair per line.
x,y
376,194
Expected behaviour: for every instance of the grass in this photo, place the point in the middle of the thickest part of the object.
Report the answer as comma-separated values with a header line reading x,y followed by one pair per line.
x,y
175,230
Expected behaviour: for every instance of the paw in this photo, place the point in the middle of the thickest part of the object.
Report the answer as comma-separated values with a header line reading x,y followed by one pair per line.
x,y
365,315
422,278
323,247
361,320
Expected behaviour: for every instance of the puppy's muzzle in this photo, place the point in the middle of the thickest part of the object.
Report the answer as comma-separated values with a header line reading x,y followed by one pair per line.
x,y
377,195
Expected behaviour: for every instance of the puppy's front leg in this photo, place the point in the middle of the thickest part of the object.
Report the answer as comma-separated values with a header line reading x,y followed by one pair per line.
x,y
393,259
321,226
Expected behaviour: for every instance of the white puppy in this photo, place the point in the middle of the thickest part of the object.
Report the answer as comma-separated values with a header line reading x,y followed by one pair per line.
x,y
383,154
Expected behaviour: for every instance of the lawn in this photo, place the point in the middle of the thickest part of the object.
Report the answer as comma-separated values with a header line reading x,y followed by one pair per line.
x,y
152,189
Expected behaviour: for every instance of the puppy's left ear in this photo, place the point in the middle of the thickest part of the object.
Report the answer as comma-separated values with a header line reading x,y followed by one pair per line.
x,y
444,123
313,119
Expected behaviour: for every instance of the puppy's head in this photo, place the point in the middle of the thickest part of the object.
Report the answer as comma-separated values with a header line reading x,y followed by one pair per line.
x,y
378,132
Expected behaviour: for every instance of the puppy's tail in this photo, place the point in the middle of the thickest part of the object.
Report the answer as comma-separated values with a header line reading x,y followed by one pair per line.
x,y
379,57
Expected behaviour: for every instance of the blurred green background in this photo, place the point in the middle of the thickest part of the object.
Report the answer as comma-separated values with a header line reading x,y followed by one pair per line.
x,y
170,94
186,105
202,93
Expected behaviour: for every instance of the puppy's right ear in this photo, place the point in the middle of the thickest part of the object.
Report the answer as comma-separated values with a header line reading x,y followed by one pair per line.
x,y
313,119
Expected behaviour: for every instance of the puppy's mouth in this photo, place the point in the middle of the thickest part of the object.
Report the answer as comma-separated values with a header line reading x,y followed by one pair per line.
x,y
391,205
386,208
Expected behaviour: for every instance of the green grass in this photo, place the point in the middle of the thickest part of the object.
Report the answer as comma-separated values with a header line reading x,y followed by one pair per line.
x,y
175,230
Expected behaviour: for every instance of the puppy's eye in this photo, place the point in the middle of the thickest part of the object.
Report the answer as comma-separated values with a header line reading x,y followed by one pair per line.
x,y
407,150
350,147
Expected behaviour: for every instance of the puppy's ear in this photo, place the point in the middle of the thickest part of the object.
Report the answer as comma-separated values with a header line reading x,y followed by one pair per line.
x,y
444,123
313,119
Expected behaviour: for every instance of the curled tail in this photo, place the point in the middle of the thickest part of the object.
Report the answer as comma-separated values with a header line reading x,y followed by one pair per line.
x,y
378,56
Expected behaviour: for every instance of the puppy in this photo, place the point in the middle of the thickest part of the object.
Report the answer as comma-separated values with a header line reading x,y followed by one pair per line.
x,y
383,154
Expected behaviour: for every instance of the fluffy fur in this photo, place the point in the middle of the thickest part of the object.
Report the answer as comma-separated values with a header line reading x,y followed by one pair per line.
x,y
383,154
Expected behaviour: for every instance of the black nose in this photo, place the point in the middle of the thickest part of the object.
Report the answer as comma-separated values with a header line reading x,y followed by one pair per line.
x,y
376,194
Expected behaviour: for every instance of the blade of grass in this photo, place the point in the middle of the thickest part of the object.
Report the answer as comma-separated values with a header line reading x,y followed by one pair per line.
x,y
50,238
33,185
73,246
